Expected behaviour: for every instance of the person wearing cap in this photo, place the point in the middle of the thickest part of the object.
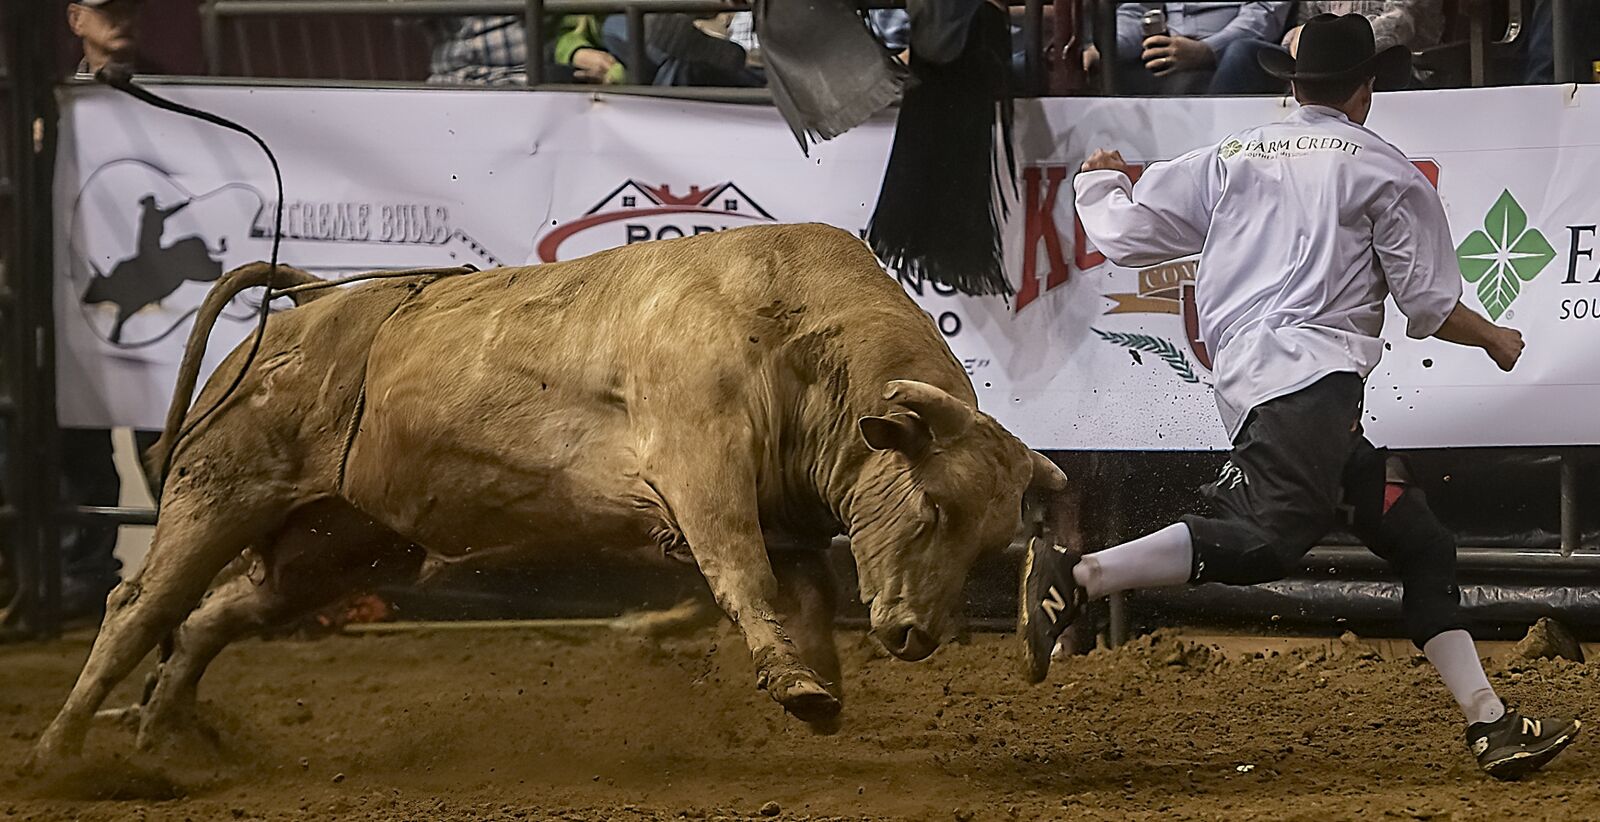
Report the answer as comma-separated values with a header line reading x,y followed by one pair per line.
x,y
1304,228
108,30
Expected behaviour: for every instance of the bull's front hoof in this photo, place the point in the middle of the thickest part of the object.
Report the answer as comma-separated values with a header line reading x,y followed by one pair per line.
x,y
804,697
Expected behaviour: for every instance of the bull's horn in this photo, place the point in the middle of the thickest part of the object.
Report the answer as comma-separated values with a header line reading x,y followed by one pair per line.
x,y
1047,476
947,417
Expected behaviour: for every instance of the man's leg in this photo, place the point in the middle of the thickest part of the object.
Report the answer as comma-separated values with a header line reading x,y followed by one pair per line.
x,y
89,567
1392,517
1163,558
1275,497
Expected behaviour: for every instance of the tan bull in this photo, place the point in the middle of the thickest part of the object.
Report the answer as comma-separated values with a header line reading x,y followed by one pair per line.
x,y
697,398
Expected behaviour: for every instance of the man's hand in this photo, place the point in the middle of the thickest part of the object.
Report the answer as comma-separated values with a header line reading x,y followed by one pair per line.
x,y
1166,54
591,65
1104,160
1091,57
1505,347
1467,327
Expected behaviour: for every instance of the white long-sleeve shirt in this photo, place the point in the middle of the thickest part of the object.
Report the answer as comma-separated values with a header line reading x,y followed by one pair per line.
x,y
1303,228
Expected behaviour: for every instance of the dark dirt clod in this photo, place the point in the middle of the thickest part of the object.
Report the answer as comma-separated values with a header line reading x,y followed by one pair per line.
x,y
1549,639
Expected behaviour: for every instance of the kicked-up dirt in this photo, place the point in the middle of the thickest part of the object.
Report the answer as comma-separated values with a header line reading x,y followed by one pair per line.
x,y
533,724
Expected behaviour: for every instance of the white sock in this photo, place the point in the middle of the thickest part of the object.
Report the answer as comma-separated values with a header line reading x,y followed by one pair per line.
x,y
1165,557
1456,659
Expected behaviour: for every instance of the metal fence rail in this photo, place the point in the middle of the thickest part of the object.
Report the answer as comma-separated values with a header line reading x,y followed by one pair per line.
x,y
1466,55
534,13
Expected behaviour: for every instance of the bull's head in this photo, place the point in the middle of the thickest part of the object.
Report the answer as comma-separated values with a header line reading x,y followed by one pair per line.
x,y
943,485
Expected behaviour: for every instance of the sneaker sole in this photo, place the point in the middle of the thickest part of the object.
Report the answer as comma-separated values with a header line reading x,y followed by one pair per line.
x,y
1034,666
1522,763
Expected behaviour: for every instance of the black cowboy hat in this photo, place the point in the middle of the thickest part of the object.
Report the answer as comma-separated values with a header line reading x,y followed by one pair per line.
x,y
1339,47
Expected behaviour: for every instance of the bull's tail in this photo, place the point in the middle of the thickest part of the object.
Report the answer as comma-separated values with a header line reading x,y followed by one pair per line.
x,y
229,285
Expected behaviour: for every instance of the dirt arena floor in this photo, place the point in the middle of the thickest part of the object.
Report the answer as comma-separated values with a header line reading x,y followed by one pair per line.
x,y
515,725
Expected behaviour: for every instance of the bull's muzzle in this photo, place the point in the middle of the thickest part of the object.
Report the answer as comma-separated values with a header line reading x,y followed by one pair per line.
x,y
906,641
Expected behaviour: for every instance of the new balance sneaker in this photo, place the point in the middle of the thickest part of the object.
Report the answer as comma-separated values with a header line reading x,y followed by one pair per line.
x,y
1514,745
1049,601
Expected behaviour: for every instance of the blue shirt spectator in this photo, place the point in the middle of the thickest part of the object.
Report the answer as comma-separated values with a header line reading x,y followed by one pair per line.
x,y
1198,36
1218,25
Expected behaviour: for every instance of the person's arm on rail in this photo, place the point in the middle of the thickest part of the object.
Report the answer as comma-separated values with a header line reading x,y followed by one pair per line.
x,y
1164,217
1411,237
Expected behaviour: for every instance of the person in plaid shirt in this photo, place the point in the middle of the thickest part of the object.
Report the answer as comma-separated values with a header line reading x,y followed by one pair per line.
x,y
493,50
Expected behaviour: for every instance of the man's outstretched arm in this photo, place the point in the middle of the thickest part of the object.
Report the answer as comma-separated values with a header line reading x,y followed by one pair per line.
x,y
1467,327
1162,218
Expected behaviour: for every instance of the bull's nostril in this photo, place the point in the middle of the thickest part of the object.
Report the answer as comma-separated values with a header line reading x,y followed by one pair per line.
x,y
894,638
909,642
918,644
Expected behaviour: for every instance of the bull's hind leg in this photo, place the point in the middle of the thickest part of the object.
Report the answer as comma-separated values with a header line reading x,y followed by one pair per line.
x,y
325,551
199,533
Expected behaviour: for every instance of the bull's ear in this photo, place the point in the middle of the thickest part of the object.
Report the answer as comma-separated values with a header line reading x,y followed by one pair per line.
x,y
947,416
906,433
1047,476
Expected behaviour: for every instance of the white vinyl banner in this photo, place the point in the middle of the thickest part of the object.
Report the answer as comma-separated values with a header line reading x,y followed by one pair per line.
x,y
151,207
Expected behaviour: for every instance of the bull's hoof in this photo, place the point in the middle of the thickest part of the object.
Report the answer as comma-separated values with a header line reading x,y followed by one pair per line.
x,y
803,696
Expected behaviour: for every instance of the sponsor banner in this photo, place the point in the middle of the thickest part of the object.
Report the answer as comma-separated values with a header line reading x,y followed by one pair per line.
x,y
152,207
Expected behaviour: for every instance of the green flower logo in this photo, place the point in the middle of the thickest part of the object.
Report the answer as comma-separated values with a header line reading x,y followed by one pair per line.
x,y
1504,255
1230,148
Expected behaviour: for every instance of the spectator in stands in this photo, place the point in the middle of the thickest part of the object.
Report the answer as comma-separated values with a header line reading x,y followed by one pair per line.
x,y
1415,24
892,27
108,30
581,48
1536,47
683,51
493,51
1198,36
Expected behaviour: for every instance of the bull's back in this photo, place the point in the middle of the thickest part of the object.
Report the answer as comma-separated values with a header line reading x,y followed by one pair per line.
x,y
515,404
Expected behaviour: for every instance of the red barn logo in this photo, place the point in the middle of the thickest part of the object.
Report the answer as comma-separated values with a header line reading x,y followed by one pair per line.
x,y
635,212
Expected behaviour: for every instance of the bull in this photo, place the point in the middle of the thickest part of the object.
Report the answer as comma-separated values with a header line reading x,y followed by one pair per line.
x,y
698,399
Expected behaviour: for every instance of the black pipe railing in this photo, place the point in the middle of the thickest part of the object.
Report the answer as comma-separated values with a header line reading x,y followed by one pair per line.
x,y
535,11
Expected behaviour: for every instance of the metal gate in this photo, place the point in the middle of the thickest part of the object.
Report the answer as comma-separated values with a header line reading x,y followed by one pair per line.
x,y
30,579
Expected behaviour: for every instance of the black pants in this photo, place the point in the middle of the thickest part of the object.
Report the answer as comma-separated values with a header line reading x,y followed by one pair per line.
x,y
1298,463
